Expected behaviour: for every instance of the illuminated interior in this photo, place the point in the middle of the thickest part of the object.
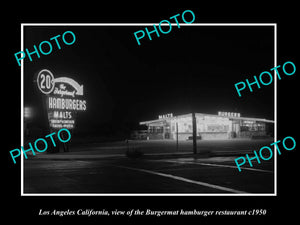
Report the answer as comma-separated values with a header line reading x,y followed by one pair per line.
x,y
209,126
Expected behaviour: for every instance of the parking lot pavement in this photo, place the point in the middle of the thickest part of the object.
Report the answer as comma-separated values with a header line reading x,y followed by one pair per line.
x,y
215,147
122,175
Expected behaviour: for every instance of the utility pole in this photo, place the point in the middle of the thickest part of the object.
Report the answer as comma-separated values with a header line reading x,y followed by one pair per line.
x,y
194,125
177,136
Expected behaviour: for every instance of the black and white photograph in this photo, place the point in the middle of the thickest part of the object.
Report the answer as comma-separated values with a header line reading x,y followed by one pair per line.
x,y
164,115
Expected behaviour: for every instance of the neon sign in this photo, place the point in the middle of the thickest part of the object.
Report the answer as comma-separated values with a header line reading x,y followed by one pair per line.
x,y
229,114
63,97
169,115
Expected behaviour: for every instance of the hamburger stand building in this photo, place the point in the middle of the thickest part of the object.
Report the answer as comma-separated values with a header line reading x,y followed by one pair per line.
x,y
224,125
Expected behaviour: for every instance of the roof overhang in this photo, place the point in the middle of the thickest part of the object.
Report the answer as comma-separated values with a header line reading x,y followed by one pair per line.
x,y
162,121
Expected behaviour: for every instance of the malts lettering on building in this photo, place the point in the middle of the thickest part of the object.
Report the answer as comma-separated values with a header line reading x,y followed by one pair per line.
x,y
63,97
224,125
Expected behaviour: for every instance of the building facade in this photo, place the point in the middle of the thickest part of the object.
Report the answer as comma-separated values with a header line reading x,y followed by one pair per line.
x,y
208,126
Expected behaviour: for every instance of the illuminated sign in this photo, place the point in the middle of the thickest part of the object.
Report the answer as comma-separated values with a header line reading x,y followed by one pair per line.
x,y
169,115
63,99
229,114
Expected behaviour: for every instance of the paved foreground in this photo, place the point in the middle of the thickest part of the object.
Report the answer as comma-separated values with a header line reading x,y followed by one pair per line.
x,y
154,173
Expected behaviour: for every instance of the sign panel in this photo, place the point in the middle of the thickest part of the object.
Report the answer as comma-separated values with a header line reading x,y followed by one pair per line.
x,y
169,115
64,99
229,114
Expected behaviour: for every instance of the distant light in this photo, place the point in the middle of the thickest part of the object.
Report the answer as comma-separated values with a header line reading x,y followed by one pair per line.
x,y
28,112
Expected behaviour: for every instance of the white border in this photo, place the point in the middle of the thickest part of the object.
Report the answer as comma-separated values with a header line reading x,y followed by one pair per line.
x,y
149,24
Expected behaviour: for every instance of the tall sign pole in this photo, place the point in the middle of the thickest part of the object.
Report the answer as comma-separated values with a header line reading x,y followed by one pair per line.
x,y
64,99
176,136
194,124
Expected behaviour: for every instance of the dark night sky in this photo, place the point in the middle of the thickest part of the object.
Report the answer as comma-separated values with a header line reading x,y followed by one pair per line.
x,y
191,68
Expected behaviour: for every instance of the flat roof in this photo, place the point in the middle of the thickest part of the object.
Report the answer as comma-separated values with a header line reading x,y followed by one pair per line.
x,y
205,114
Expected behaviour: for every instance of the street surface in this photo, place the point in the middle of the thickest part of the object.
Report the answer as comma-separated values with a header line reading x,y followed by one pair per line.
x,y
105,169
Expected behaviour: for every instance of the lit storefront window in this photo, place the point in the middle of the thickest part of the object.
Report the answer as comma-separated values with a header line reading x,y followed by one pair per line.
x,y
252,126
155,129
